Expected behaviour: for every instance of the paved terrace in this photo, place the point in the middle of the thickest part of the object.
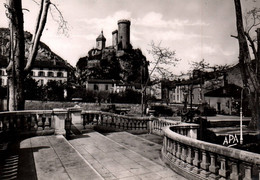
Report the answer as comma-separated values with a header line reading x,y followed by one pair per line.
x,y
89,156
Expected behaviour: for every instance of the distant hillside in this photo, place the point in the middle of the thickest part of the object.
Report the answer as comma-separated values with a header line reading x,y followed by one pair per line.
x,y
44,56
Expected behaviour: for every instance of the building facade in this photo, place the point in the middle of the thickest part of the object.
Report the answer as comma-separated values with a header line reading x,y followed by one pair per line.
x,y
43,71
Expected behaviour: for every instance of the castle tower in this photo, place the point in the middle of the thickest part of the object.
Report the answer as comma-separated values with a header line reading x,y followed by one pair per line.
x,y
101,41
115,39
123,34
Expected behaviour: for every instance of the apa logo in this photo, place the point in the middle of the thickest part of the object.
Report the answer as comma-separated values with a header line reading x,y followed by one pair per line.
x,y
230,140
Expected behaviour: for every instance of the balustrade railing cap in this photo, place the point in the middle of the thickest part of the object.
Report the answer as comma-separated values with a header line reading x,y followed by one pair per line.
x,y
75,109
60,110
191,125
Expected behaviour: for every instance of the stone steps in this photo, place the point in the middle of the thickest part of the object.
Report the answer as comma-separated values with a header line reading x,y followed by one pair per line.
x,y
121,155
88,155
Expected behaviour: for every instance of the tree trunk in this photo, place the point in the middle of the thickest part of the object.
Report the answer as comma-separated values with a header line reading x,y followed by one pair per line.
x,y
16,58
249,76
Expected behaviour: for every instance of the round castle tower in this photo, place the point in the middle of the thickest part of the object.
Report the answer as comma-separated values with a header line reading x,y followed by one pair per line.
x,y
123,34
115,39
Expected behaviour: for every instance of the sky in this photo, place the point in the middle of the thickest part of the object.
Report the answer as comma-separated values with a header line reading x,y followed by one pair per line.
x,y
194,29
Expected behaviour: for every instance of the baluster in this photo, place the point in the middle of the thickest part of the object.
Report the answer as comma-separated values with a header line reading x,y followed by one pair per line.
x,y
184,156
178,154
174,151
196,162
258,169
248,171
189,159
47,122
112,120
102,119
84,120
29,122
5,123
223,167
122,123
169,148
99,119
130,124
234,170
88,118
39,121
11,123
213,168
204,164
34,121
43,121
119,122
95,118
1,124
50,121
91,118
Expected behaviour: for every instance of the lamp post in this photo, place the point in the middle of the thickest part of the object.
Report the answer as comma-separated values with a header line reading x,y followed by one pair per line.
x,y
241,117
241,114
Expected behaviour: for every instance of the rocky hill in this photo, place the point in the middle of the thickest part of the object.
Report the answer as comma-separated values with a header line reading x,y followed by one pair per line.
x,y
129,66
44,52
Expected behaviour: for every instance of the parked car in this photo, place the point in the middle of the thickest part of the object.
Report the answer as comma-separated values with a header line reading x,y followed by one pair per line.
x,y
161,110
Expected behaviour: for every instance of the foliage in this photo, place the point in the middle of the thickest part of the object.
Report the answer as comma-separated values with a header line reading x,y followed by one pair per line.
x,y
55,91
129,96
32,90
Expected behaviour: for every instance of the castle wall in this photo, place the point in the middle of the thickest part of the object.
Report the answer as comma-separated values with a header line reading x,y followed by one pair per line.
x,y
124,34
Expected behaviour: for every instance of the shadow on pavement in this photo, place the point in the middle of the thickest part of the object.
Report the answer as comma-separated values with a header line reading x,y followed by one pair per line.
x,y
18,163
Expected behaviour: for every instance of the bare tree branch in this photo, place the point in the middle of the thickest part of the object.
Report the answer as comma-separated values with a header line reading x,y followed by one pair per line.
x,y
38,32
63,24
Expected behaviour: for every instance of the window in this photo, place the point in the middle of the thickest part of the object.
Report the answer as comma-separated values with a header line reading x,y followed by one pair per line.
x,y
96,87
50,74
1,72
41,74
59,74
32,73
106,87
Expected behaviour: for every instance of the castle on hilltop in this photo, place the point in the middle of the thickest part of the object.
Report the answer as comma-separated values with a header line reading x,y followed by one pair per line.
x,y
120,37
118,62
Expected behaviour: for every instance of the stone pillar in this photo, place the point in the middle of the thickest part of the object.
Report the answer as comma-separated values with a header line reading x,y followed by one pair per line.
x,y
76,115
59,120
193,133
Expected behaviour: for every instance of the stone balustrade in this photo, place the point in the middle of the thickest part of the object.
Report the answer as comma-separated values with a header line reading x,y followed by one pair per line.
x,y
121,122
115,121
158,124
33,121
197,159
